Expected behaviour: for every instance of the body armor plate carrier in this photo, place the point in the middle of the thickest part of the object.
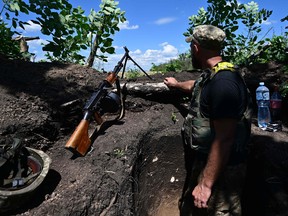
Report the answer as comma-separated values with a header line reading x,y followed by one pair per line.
x,y
197,129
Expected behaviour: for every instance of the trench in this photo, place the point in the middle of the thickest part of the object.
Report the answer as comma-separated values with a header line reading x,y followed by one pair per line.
x,y
160,174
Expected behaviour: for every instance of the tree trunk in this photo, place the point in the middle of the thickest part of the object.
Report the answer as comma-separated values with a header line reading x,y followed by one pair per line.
x,y
91,58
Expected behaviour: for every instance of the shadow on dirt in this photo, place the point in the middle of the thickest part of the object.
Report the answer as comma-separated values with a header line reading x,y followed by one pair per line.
x,y
160,175
266,191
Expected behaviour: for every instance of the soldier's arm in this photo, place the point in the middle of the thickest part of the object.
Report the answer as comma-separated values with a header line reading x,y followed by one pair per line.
x,y
218,157
185,86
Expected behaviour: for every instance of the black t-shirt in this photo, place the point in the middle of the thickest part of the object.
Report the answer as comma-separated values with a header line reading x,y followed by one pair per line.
x,y
224,96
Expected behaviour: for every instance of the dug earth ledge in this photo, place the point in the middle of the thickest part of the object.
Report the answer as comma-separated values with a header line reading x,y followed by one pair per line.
x,y
136,164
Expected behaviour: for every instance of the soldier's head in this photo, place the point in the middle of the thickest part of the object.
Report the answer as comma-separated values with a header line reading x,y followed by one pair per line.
x,y
205,41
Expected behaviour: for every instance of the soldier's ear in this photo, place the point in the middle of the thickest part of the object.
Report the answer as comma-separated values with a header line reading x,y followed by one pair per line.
x,y
196,48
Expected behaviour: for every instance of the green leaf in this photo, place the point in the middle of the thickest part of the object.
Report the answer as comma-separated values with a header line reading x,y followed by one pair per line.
x,y
15,6
110,50
108,43
14,23
35,22
21,25
234,28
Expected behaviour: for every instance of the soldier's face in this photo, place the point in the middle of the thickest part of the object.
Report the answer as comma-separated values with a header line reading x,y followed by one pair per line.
x,y
195,63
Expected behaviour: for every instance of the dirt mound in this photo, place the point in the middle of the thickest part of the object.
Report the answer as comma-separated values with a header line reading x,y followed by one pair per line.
x,y
136,165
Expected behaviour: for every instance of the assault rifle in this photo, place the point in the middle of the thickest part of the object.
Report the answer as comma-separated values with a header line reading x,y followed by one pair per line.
x,y
103,100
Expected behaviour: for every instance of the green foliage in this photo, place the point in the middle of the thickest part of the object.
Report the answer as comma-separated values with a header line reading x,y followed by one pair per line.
x,y
185,61
174,117
133,73
8,47
118,153
182,63
277,51
70,29
284,89
158,68
228,15
103,24
171,66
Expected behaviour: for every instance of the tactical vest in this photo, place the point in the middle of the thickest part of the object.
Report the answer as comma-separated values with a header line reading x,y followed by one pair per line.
x,y
197,130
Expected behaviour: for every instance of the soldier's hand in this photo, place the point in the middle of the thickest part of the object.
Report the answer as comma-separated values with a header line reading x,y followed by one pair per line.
x,y
170,82
201,195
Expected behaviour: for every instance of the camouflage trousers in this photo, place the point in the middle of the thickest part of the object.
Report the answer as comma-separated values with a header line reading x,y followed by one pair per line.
x,y
225,199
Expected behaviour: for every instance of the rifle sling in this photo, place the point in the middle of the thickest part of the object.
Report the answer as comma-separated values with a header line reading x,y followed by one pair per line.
x,y
122,112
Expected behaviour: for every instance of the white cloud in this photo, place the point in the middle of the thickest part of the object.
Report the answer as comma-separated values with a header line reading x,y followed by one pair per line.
x,y
144,59
267,22
165,20
168,49
35,47
125,25
137,52
32,27
36,43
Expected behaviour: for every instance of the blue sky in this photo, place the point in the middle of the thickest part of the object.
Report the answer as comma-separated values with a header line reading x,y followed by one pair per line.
x,y
154,29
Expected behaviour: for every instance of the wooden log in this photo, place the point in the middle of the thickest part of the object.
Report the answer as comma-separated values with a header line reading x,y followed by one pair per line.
x,y
145,88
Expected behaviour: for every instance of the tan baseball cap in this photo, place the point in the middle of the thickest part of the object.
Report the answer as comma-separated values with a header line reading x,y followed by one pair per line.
x,y
207,36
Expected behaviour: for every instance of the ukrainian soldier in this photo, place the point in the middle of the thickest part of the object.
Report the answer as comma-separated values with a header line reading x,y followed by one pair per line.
x,y
216,130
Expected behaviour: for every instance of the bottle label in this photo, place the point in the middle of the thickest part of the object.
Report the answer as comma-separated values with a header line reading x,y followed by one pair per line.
x,y
276,104
262,96
265,95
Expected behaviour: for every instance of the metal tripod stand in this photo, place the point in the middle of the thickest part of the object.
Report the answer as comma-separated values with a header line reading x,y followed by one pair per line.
x,y
127,57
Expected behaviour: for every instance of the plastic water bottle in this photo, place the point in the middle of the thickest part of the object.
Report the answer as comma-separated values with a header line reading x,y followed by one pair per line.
x,y
262,94
276,105
264,117
263,102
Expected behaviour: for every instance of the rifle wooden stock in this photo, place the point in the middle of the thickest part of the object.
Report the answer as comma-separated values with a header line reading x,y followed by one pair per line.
x,y
79,142
111,78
